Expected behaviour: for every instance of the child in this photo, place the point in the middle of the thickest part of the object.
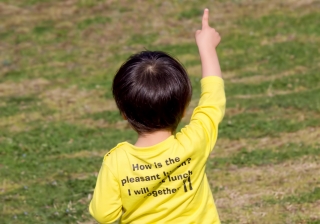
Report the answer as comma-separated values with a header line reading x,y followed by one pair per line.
x,y
161,178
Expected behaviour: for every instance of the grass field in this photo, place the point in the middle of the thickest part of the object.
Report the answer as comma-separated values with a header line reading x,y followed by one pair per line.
x,y
58,118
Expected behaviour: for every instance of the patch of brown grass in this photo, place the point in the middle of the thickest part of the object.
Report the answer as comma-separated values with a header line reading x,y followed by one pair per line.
x,y
26,87
103,124
244,191
226,147
271,92
265,78
8,187
19,122
81,154
72,102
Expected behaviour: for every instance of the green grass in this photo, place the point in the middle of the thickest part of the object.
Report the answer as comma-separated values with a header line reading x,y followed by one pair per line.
x,y
145,39
179,49
57,201
25,2
305,101
93,21
280,21
14,105
259,157
190,14
270,122
48,186
109,116
306,197
53,138
270,59
313,221
45,27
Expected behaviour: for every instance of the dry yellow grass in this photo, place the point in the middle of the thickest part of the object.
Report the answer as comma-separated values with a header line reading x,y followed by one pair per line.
x,y
245,187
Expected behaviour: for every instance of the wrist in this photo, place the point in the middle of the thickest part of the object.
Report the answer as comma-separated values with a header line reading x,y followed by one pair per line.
x,y
207,53
210,63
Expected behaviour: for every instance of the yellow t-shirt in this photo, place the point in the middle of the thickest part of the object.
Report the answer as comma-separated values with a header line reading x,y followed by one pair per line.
x,y
164,183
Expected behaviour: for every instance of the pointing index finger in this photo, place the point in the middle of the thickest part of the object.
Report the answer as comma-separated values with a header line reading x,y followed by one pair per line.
x,y
205,18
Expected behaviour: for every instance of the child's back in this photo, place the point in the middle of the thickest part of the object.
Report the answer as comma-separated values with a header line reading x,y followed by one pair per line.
x,y
161,179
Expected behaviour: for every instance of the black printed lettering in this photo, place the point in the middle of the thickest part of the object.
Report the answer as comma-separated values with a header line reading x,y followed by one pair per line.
x,y
141,167
135,167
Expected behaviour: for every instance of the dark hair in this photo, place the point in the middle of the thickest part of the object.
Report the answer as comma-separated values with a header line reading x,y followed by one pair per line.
x,y
152,90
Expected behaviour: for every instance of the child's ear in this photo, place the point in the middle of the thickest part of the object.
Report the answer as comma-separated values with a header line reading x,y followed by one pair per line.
x,y
184,112
124,116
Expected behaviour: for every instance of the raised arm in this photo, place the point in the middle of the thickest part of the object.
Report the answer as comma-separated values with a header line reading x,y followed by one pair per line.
x,y
202,131
207,40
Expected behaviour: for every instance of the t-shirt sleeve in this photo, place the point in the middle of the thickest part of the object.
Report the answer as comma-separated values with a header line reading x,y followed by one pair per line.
x,y
202,131
106,205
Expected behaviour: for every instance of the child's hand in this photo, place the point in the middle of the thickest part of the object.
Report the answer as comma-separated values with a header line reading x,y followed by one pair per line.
x,y
208,38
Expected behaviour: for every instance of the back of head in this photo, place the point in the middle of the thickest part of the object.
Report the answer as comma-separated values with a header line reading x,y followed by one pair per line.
x,y
152,90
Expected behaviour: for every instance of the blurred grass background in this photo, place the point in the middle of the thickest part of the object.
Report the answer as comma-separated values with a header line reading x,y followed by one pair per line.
x,y
58,118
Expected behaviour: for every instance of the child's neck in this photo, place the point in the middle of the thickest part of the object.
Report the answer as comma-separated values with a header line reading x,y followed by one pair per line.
x,y
150,139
